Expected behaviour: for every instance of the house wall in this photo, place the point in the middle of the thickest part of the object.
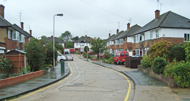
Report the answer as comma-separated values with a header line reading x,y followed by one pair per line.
x,y
3,34
169,32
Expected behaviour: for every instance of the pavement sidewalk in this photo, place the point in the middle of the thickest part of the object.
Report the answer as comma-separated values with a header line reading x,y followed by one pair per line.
x,y
148,88
33,84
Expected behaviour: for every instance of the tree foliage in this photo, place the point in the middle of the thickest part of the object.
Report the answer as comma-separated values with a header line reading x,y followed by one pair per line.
x,y
69,45
86,49
98,45
35,54
66,36
75,38
43,37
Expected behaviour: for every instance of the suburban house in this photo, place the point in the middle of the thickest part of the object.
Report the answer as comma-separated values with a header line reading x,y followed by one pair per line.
x,y
12,36
50,39
168,26
137,40
81,43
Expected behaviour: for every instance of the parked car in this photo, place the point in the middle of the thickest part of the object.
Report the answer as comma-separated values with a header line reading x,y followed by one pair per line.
x,y
120,57
66,52
101,55
60,57
90,52
69,57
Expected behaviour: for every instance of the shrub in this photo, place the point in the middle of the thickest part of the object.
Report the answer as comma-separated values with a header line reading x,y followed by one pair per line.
x,y
145,62
158,50
187,52
181,73
159,64
176,51
77,53
85,55
6,66
49,54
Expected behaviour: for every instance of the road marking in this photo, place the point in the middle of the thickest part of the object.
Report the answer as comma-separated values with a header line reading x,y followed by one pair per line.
x,y
45,87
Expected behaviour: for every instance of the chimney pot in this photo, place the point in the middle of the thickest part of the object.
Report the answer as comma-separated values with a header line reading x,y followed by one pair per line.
x,y
52,37
2,10
109,34
22,25
157,14
117,31
128,26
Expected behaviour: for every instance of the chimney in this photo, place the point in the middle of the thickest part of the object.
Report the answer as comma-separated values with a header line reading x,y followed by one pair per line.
x,y
109,34
22,25
31,32
117,31
128,26
52,37
157,14
2,10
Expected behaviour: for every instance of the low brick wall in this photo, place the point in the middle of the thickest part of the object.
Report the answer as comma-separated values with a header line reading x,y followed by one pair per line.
x,y
149,71
94,59
18,79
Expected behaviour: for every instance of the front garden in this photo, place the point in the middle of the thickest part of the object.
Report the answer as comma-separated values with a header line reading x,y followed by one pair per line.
x,y
171,60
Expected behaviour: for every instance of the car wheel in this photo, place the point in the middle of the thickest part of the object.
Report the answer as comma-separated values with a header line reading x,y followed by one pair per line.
x,y
72,59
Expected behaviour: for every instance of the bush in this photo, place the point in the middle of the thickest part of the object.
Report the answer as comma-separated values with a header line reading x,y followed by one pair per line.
x,y
145,62
77,53
49,54
158,50
187,52
159,65
85,55
181,73
6,66
176,51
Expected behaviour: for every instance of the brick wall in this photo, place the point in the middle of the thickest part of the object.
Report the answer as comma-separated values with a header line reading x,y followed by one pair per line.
x,y
18,79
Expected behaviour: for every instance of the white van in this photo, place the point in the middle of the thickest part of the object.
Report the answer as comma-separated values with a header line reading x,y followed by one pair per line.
x,y
60,57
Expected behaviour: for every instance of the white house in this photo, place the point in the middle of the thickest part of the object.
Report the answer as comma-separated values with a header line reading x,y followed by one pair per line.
x,y
81,43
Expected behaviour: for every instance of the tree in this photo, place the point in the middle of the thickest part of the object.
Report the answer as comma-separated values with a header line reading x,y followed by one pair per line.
x,y
69,45
75,38
86,49
35,54
49,53
44,37
98,45
66,36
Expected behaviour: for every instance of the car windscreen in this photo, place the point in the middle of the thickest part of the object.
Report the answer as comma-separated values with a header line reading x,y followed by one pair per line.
x,y
126,54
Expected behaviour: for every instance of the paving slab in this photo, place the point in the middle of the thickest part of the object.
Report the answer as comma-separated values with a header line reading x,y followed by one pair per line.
x,y
33,84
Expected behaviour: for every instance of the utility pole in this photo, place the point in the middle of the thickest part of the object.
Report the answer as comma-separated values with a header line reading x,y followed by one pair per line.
x,y
87,47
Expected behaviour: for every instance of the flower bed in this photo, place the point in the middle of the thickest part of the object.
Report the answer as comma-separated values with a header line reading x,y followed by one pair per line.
x,y
18,79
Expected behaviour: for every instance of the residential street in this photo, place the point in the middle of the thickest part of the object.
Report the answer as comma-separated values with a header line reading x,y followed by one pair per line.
x,y
88,82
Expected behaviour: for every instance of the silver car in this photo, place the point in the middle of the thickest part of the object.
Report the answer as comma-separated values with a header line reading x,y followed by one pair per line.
x,y
69,57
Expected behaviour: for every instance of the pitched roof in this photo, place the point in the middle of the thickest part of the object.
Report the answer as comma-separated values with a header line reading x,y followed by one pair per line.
x,y
166,20
4,22
131,30
117,35
17,28
56,39
120,34
82,39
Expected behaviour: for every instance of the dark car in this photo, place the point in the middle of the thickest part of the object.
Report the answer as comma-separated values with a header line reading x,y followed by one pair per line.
x,y
66,52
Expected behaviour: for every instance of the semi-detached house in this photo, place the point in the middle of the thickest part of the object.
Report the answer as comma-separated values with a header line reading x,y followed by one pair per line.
x,y
168,26
81,43
12,36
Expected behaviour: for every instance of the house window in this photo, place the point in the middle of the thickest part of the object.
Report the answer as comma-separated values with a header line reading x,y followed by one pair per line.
x,y
145,50
137,38
140,38
17,35
134,39
20,37
76,44
137,51
120,41
186,37
151,35
14,35
157,34
9,34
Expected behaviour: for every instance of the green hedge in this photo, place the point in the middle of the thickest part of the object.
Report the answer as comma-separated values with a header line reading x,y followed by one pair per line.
x,y
159,64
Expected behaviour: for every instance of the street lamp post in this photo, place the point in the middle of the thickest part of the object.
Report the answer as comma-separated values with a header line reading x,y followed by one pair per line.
x,y
54,38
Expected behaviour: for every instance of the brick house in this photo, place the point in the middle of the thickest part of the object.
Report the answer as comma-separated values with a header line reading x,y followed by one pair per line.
x,y
81,43
12,36
168,26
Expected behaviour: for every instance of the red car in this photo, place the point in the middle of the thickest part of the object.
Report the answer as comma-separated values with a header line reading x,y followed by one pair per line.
x,y
90,53
120,57
101,55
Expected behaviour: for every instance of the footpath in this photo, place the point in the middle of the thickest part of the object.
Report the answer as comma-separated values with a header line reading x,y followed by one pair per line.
x,y
50,77
148,88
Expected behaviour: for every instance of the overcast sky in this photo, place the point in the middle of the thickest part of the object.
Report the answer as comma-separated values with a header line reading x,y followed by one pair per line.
x,y
95,18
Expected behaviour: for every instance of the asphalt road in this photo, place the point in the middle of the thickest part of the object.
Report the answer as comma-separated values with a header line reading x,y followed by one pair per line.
x,y
87,82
